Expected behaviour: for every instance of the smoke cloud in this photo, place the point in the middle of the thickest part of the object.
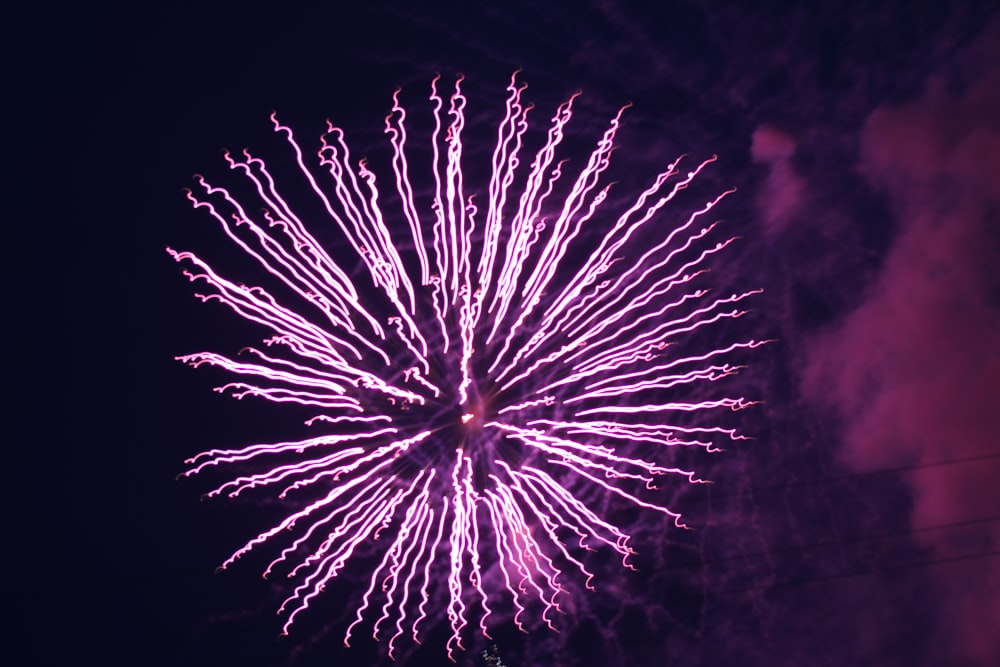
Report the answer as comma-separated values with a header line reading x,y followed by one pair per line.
x,y
914,370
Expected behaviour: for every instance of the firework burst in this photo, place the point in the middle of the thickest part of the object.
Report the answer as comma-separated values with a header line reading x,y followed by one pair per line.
x,y
486,358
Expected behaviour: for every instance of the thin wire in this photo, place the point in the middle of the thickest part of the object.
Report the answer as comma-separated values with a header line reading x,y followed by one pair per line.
x,y
861,573
869,473
829,543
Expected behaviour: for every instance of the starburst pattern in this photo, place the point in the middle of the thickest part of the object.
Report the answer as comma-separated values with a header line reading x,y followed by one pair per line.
x,y
487,356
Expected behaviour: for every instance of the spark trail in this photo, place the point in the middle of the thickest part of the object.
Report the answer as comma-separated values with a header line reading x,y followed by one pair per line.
x,y
484,360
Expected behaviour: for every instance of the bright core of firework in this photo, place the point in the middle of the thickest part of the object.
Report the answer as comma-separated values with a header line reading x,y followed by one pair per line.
x,y
483,363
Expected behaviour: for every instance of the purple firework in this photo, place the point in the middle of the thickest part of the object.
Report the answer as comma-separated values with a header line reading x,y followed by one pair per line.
x,y
482,370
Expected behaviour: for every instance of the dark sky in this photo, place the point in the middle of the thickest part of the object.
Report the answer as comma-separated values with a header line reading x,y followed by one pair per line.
x,y
861,526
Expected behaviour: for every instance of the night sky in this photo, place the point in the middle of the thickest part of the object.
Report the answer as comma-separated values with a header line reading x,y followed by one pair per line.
x,y
860,526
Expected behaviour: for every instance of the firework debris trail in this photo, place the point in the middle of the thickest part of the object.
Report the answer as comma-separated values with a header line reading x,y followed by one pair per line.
x,y
491,344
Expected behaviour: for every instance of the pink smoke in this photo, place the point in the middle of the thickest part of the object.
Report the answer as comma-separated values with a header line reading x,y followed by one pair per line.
x,y
914,371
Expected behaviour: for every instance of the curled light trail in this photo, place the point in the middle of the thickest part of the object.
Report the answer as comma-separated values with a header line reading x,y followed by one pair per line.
x,y
481,362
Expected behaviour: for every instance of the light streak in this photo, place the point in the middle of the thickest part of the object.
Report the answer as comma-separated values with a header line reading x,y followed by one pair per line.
x,y
471,376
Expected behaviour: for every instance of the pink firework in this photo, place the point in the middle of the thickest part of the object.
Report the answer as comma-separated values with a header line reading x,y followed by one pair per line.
x,y
486,364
